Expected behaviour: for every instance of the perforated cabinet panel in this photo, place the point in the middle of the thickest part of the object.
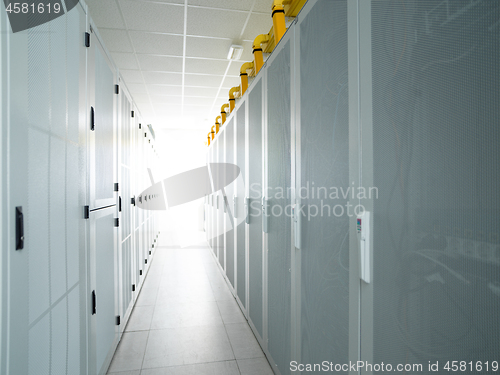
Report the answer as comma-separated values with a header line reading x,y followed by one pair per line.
x,y
324,167
221,144
230,191
255,228
215,211
240,162
279,236
435,164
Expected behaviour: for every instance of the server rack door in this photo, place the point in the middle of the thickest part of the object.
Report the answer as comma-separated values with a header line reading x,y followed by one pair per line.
x,y
324,170
221,238
215,212
103,256
230,193
255,248
46,140
433,158
241,263
210,207
279,237
125,208
102,115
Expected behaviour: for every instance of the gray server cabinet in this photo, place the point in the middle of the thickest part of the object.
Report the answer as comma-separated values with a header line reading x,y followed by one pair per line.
x,y
229,131
44,172
279,237
241,260
323,147
434,160
215,212
254,173
221,237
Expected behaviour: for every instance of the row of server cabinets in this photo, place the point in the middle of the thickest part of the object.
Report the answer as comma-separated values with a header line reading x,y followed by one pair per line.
x,y
384,107
75,153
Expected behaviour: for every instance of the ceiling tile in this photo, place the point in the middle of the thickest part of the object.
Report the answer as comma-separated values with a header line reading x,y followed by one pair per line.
x,y
166,108
194,109
264,6
202,80
191,101
260,22
141,98
217,67
146,16
116,40
161,78
132,76
234,69
224,4
160,63
200,91
105,14
206,47
125,60
165,90
144,107
158,99
164,1
231,82
158,44
215,23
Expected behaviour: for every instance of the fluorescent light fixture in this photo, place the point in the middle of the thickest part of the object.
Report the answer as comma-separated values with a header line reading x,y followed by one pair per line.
x,y
235,52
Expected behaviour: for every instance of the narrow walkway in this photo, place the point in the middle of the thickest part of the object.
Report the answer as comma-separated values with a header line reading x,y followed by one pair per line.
x,y
186,321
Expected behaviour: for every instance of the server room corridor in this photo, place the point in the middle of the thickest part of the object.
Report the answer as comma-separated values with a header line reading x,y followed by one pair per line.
x,y
186,321
249,187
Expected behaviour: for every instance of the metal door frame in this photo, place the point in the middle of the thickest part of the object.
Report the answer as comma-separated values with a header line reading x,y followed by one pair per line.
x,y
361,173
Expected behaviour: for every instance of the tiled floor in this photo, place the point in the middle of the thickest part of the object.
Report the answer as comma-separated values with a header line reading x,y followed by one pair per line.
x,y
186,321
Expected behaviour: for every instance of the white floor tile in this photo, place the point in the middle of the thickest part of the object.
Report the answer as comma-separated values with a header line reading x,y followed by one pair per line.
x,y
255,366
130,352
140,320
213,368
243,341
187,345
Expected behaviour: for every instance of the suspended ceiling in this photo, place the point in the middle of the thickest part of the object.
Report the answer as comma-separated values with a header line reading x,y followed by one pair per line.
x,y
172,54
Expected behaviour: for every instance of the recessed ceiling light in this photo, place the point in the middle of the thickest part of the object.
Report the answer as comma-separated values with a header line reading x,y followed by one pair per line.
x,y
235,52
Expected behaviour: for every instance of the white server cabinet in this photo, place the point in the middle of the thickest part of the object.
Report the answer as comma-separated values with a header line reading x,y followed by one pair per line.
x,y
44,172
103,269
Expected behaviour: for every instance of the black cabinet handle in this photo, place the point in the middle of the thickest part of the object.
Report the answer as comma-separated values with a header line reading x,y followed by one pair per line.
x,y
19,228
93,303
92,118
119,204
